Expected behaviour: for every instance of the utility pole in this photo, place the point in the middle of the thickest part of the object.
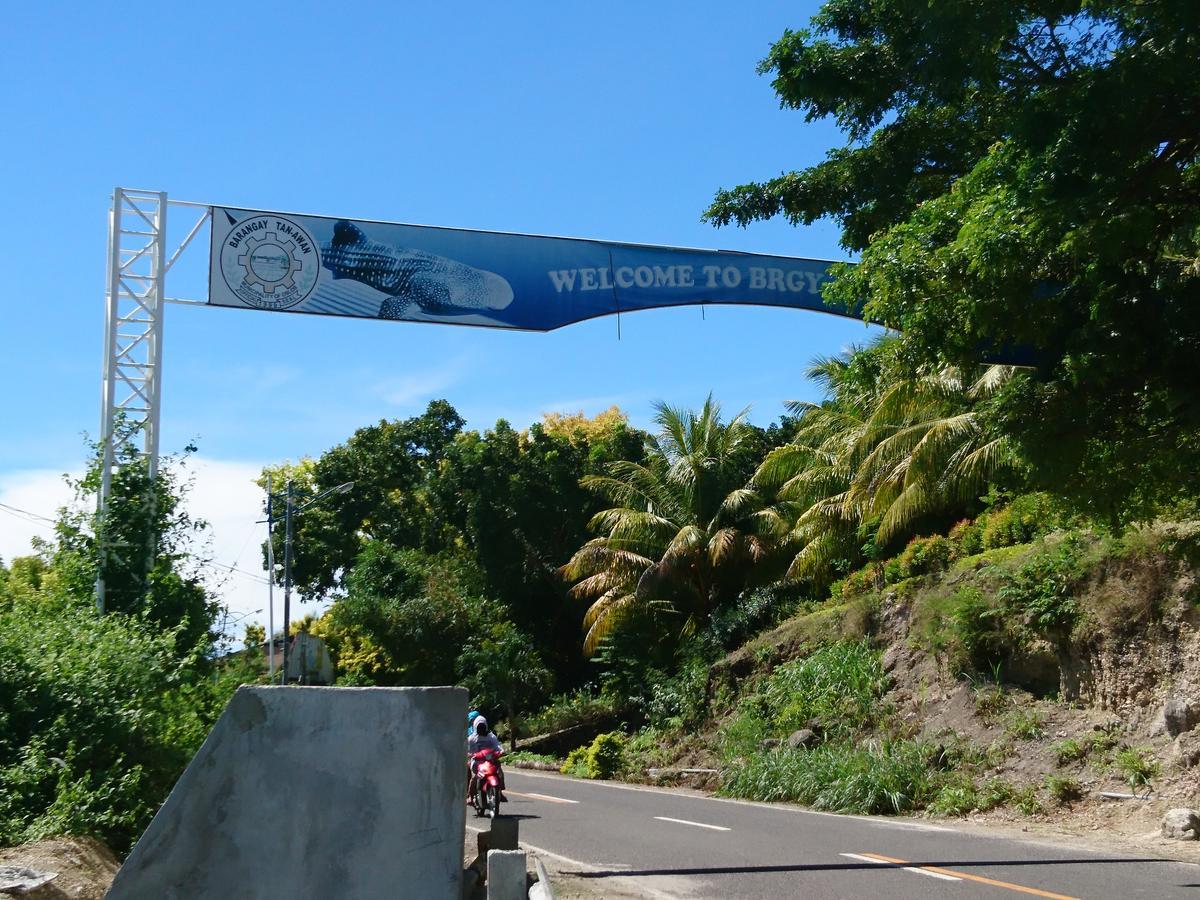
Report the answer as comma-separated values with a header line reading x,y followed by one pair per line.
x,y
287,577
270,586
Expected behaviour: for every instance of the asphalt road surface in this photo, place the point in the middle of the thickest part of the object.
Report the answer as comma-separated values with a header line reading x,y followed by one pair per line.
x,y
670,844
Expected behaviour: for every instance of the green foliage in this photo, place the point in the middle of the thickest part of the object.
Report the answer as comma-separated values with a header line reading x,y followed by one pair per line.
x,y
1063,790
529,756
576,762
956,797
502,669
1137,766
1027,517
1041,590
925,555
1069,750
1025,724
603,758
1026,801
680,701
98,717
839,685
406,617
1103,741
606,755
567,710
144,545
889,777
1008,193
682,532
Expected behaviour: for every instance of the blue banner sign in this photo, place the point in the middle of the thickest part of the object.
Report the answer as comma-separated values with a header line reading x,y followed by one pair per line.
x,y
379,270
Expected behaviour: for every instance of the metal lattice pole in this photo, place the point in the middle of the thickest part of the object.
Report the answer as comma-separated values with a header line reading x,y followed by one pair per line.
x,y
131,389
132,385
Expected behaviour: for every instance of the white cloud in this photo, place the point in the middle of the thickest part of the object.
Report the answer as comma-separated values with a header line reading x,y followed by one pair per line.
x,y
39,492
223,494
403,390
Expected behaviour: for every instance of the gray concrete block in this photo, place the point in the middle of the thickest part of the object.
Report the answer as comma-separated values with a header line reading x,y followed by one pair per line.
x,y
314,792
506,875
504,833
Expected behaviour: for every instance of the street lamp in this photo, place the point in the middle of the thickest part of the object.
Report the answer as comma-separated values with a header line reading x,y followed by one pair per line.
x,y
290,511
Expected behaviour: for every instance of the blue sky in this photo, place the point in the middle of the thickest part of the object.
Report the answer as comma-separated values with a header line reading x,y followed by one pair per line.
x,y
615,122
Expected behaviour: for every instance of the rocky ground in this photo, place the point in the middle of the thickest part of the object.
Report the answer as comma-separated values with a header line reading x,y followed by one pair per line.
x,y
85,867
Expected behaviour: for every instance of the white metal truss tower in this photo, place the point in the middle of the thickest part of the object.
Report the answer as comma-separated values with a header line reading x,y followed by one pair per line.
x,y
131,389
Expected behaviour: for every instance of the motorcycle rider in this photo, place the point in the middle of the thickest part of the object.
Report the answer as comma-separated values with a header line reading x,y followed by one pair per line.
x,y
482,739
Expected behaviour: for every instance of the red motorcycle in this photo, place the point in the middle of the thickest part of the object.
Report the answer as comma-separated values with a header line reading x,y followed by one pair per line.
x,y
485,784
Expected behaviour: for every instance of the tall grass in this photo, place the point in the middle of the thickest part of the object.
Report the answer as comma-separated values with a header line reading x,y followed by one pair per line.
x,y
839,685
890,777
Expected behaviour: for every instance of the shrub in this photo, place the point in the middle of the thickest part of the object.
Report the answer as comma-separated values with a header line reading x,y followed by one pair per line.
x,y
1103,741
885,778
529,756
565,710
1063,790
995,792
925,555
603,758
1026,518
840,685
957,797
99,715
680,702
1069,750
1026,801
967,538
1025,724
606,756
576,762
1041,590
1137,765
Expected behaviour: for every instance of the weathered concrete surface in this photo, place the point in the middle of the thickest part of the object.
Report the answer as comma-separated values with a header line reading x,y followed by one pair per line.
x,y
506,875
314,792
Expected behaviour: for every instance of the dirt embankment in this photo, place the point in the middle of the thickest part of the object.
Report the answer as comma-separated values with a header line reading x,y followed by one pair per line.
x,y
1108,705
85,867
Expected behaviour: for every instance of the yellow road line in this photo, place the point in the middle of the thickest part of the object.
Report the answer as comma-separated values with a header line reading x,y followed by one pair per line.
x,y
1020,888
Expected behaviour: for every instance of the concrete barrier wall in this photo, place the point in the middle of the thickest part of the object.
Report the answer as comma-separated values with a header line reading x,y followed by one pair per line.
x,y
315,792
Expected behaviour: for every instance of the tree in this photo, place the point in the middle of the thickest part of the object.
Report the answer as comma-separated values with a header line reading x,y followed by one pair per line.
x,y
256,636
1020,179
515,502
144,544
389,464
882,455
405,618
99,714
501,667
682,532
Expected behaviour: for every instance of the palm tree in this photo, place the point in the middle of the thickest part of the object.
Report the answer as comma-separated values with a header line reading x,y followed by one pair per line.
x,y
684,532
927,448
879,454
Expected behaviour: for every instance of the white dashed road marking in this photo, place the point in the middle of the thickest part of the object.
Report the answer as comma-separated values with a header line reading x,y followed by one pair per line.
x,y
697,824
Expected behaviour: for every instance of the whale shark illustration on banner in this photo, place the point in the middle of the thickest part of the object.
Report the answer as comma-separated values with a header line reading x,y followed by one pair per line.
x,y
435,284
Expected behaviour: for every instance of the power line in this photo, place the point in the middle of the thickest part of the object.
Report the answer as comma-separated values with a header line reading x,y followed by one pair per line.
x,y
26,516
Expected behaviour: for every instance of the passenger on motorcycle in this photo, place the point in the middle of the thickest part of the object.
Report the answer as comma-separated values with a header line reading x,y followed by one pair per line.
x,y
482,739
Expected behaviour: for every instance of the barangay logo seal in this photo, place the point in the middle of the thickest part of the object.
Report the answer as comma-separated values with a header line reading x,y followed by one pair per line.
x,y
270,262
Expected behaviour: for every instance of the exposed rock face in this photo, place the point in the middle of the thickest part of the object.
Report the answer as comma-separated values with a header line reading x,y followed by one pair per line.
x,y
1181,824
1185,752
1179,715
805,737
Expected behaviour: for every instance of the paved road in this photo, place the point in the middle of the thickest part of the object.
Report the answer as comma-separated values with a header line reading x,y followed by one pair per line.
x,y
682,845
